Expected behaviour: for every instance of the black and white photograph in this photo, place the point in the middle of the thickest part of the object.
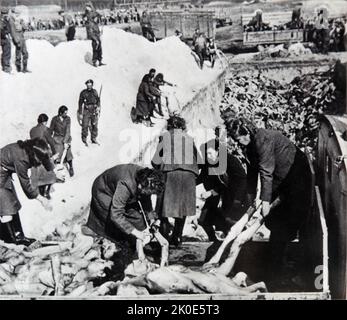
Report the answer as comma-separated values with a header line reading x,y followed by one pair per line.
x,y
173,150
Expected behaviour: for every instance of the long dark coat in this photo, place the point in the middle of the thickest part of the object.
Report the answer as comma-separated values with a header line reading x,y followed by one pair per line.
x,y
180,170
284,171
14,159
114,209
61,130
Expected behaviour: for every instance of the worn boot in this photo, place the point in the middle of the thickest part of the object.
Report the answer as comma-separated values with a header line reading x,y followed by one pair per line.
x,y
25,70
85,142
19,234
19,69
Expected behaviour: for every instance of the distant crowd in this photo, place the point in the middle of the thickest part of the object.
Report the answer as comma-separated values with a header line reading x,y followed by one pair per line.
x,y
107,17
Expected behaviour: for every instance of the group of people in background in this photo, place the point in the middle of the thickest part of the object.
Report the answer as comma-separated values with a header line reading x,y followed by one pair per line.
x,y
205,48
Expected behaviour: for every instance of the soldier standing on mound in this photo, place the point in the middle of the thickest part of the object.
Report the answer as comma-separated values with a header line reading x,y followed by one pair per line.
x,y
88,112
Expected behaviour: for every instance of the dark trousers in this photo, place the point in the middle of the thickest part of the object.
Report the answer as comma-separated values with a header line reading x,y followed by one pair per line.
x,y
97,51
6,54
22,55
89,122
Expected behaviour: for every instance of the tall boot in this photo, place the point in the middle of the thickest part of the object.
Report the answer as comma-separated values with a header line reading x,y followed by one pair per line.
x,y
19,234
71,170
18,67
25,68
7,233
176,238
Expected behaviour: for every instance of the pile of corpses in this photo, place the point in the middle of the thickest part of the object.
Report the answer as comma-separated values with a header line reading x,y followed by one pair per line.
x,y
55,268
71,268
83,266
292,108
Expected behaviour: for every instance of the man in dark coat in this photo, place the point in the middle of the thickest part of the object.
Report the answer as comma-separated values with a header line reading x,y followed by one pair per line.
x,y
284,172
88,112
115,211
92,19
226,188
19,158
61,130
17,28
5,32
40,176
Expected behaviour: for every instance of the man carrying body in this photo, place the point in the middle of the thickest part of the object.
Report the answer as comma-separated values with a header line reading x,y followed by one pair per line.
x,y
17,29
5,41
88,112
